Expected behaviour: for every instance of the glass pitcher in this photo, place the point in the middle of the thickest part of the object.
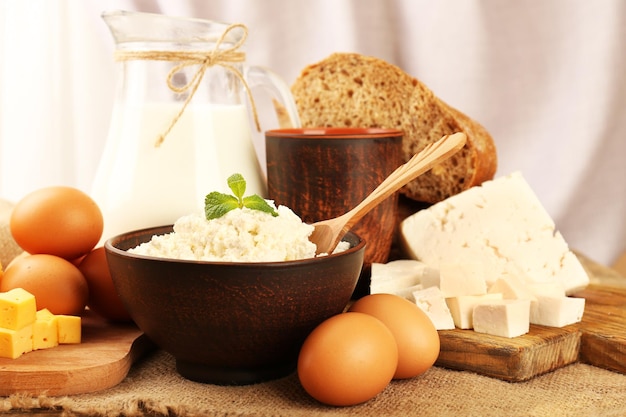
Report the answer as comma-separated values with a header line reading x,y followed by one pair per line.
x,y
182,119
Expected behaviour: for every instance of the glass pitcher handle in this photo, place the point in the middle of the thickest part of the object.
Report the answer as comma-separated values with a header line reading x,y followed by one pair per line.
x,y
283,102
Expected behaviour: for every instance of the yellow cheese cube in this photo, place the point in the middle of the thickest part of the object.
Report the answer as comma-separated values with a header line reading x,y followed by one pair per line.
x,y
45,330
69,329
17,309
13,343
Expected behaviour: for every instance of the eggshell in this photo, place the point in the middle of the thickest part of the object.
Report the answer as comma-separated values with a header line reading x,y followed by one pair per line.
x,y
348,359
416,336
103,297
61,221
56,283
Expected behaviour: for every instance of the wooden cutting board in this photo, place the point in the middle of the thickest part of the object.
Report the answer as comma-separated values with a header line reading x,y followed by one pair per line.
x,y
603,329
101,361
600,340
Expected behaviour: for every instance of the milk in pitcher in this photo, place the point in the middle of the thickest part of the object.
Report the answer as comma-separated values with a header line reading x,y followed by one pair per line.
x,y
141,185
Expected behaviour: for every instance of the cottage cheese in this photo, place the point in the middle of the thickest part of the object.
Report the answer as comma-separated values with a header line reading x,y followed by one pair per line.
x,y
241,235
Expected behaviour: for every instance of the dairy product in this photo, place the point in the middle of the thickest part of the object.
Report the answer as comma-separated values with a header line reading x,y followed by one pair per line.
x,y
241,235
506,318
553,311
69,329
511,288
396,276
494,253
462,308
17,314
431,278
501,224
24,329
432,302
462,279
45,330
17,309
139,185
14,343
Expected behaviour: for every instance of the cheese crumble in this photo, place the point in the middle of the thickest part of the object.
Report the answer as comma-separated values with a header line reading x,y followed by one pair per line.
x,y
241,235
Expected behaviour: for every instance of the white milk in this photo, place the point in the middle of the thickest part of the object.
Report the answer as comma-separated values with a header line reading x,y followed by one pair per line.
x,y
138,185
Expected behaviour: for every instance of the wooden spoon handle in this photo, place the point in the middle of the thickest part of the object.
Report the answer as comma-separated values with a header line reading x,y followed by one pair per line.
x,y
416,166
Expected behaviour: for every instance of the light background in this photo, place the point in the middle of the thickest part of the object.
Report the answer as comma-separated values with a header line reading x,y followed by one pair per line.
x,y
546,78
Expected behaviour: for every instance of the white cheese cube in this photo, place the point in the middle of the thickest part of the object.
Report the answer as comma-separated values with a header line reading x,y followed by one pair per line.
x,y
462,279
396,275
556,311
406,292
511,288
431,278
462,308
398,269
432,302
506,318
501,224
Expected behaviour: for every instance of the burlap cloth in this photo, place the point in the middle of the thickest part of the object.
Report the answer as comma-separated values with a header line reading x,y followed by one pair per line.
x,y
154,388
8,248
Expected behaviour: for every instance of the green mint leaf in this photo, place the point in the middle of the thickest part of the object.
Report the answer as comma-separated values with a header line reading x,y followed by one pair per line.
x,y
217,204
238,185
256,202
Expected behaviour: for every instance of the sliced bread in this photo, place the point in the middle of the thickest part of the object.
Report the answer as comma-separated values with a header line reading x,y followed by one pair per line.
x,y
348,89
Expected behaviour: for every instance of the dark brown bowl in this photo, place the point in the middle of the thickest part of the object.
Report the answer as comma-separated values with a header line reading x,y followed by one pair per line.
x,y
231,323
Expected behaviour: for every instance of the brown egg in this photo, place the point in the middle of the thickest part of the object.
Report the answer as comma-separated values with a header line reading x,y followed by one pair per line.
x,y
416,336
61,221
348,359
56,283
21,255
103,298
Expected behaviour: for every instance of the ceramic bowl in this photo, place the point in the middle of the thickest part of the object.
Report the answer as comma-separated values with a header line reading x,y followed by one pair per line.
x,y
231,323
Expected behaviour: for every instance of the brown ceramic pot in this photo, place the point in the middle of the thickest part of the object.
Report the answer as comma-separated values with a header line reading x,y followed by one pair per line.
x,y
322,173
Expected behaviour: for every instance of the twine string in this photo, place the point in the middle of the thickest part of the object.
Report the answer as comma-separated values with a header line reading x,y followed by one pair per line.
x,y
205,59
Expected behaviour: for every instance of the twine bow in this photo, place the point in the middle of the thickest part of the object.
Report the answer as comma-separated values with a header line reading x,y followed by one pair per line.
x,y
222,57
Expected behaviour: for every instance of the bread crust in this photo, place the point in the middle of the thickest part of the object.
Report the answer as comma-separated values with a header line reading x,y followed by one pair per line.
x,y
348,89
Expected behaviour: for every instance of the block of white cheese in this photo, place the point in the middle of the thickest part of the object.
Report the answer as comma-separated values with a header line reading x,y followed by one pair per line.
x,y
501,224
554,311
457,279
396,276
506,318
462,308
432,302
431,277
511,288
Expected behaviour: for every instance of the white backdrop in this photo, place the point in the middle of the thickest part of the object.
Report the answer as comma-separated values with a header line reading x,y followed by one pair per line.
x,y
547,78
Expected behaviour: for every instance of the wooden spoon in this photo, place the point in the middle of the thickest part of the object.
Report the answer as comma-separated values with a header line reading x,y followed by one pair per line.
x,y
328,233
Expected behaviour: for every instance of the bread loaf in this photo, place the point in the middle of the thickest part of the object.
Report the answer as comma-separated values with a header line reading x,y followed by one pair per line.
x,y
349,89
